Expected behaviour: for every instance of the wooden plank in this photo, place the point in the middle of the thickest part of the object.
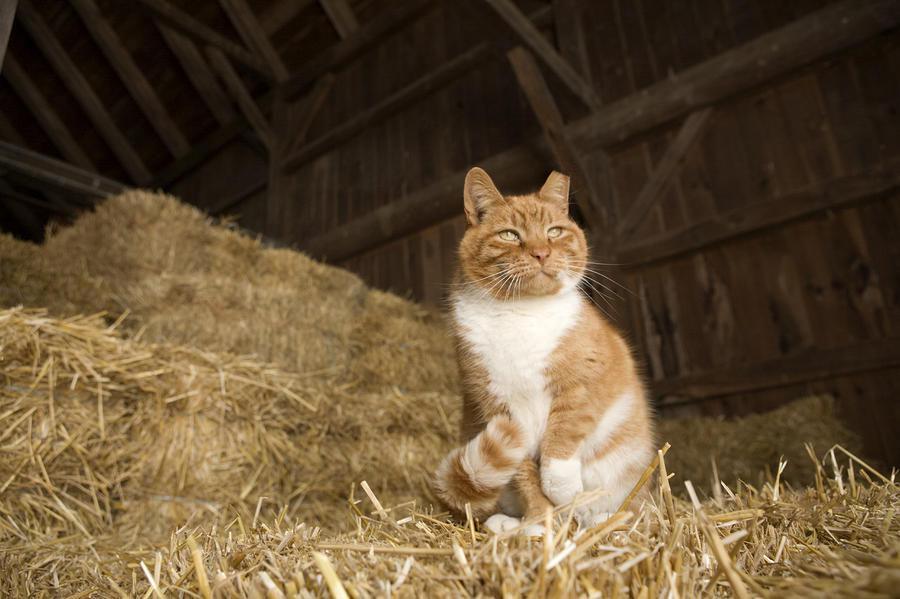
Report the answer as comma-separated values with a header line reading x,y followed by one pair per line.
x,y
415,91
522,26
240,94
311,107
56,173
774,54
513,170
341,16
759,216
534,86
198,71
659,179
7,16
394,16
71,75
45,114
812,365
247,25
185,23
568,18
132,77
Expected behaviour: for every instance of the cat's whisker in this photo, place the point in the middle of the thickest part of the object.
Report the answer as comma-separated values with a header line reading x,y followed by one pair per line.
x,y
598,306
591,282
608,278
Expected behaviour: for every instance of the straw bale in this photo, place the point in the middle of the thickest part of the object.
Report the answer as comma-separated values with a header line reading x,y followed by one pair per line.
x,y
748,447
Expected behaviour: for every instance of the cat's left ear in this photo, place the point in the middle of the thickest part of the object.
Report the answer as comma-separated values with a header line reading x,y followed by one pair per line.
x,y
556,190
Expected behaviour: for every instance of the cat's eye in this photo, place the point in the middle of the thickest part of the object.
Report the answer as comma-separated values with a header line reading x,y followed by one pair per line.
x,y
554,231
508,235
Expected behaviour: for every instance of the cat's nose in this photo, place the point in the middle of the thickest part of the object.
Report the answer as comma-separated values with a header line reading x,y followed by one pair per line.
x,y
540,253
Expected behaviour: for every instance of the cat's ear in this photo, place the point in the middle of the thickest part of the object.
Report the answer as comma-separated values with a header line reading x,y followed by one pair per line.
x,y
556,190
479,195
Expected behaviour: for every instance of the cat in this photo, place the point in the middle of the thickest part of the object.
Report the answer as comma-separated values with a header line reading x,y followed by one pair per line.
x,y
553,404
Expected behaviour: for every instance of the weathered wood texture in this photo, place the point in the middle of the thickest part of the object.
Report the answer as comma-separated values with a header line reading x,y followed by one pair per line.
x,y
7,16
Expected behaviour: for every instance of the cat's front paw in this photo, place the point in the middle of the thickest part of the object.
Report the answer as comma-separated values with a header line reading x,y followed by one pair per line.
x,y
561,479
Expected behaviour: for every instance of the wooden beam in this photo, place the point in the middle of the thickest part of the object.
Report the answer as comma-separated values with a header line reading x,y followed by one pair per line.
x,y
656,185
253,35
312,104
741,69
761,216
45,114
185,23
71,75
534,86
56,173
7,16
525,30
240,94
199,153
198,71
514,170
132,77
568,19
410,94
7,190
805,367
830,30
341,16
8,131
391,18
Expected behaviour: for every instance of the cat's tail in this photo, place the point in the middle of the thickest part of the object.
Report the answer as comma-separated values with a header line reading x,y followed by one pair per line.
x,y
478,471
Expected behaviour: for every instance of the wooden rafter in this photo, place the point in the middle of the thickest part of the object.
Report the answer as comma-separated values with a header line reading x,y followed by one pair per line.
x,y
182,21
71,75
56,173
44,113
392,17
529,35
763,215
253,35
341,16
7,16
198,71
568,17
405,96
691,130
241,95
534,86
131,76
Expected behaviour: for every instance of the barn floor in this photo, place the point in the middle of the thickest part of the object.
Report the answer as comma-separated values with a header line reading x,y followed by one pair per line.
x,y
208,427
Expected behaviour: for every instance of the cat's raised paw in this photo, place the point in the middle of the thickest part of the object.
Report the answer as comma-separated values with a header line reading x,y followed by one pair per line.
x,y
501,523
561,480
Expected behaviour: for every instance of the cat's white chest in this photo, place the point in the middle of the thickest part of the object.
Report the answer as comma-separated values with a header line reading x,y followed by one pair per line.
x,y
514,341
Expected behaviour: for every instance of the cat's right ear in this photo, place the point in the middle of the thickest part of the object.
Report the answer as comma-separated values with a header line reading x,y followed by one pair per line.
x,y
479,194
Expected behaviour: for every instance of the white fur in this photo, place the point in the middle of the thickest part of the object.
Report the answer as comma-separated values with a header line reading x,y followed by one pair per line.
x,y
561,479
514,340
501,523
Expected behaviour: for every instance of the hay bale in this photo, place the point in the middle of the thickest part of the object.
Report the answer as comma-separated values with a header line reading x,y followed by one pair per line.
x,y
750,448
184,280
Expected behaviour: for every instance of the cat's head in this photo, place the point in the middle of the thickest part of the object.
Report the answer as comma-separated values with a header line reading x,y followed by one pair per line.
x,y
518,246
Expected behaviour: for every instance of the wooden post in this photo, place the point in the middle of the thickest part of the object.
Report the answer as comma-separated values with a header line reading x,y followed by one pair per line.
x,y
7,16
534,86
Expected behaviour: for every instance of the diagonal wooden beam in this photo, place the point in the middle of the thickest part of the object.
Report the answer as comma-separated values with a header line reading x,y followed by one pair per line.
x,y
44,113
240,94
7,16
394,16
522,26
534,86
253,35
403,97
312,104
56,173
341,16
71,75
131,76
185,23
690,131
198,71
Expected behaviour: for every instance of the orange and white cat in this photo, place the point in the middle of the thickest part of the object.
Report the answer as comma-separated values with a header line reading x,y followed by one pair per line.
x,y
546,379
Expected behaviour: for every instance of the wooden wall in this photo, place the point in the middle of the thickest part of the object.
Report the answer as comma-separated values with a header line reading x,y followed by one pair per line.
x,y
725,324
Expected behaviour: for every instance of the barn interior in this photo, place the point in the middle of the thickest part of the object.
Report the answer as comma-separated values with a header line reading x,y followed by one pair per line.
x,y
228,230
